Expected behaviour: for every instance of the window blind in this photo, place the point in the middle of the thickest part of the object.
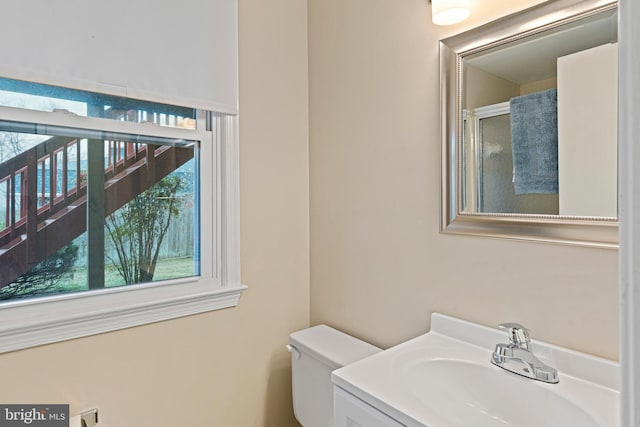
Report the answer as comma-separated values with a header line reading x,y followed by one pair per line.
x,y
181,53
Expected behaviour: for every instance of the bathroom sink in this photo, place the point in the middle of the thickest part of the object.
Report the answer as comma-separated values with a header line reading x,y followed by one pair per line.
x,y
445,379
472,394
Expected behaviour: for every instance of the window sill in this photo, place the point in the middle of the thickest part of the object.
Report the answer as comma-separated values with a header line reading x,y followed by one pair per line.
x,y
30,323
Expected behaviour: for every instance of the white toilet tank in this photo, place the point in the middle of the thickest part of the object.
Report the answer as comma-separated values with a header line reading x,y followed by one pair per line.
x,y
315,353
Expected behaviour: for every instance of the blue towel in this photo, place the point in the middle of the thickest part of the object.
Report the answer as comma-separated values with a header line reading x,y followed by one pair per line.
x,y
534,140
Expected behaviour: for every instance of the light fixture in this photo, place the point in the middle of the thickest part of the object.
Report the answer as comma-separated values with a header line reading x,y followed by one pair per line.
x,y
449,12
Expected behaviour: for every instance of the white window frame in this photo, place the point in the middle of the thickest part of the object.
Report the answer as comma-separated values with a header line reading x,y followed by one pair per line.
x,y
31,322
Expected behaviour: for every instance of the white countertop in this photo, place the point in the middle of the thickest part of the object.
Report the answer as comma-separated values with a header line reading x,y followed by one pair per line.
x,y
390,381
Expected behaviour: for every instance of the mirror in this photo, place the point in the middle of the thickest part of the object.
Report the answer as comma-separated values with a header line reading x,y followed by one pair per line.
x,y
529,126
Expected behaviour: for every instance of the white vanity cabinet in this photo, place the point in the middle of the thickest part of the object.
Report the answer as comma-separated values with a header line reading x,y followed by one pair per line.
x,y
349,411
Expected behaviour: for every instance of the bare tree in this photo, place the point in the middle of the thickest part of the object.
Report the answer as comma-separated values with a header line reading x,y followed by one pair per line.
x,y
137,230
11,144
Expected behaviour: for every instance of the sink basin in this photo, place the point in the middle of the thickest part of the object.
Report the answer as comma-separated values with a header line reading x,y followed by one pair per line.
x,y
445,379
470,394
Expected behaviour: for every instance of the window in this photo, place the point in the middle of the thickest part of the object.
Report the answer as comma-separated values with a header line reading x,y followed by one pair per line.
x,y
113,213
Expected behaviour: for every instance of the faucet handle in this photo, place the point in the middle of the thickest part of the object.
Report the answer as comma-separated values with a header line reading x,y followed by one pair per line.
x,y
518,334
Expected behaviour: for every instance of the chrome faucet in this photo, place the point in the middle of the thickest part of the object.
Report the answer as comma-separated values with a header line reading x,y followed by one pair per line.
x,y
516,356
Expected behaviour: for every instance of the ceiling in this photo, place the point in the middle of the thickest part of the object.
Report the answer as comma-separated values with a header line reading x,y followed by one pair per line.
x,y
534,58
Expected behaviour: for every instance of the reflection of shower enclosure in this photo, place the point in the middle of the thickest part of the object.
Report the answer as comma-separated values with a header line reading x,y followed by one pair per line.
x,y
488,167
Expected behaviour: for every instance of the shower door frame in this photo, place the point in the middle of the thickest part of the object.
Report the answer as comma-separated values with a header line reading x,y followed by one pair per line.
x,y
475,179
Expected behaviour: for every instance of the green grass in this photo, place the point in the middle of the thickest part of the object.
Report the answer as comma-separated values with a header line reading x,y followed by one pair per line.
x,y
167,268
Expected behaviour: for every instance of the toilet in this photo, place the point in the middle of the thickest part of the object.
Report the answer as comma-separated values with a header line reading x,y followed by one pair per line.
x,y
315,353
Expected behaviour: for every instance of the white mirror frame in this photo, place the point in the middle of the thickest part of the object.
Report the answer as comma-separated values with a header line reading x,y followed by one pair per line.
x,y
582,231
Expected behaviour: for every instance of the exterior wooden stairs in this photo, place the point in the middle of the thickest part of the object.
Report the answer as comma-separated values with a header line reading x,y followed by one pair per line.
x,y
45,193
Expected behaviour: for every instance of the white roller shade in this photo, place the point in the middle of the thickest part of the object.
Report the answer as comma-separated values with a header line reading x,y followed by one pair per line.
x,y
178,52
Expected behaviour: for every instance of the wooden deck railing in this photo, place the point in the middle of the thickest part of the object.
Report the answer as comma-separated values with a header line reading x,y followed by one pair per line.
x,y
43,194
57,177
27,242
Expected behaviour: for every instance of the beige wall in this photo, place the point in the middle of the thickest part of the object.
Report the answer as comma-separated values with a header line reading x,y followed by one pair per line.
x,y
227,368
379,267
538,86
482,88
